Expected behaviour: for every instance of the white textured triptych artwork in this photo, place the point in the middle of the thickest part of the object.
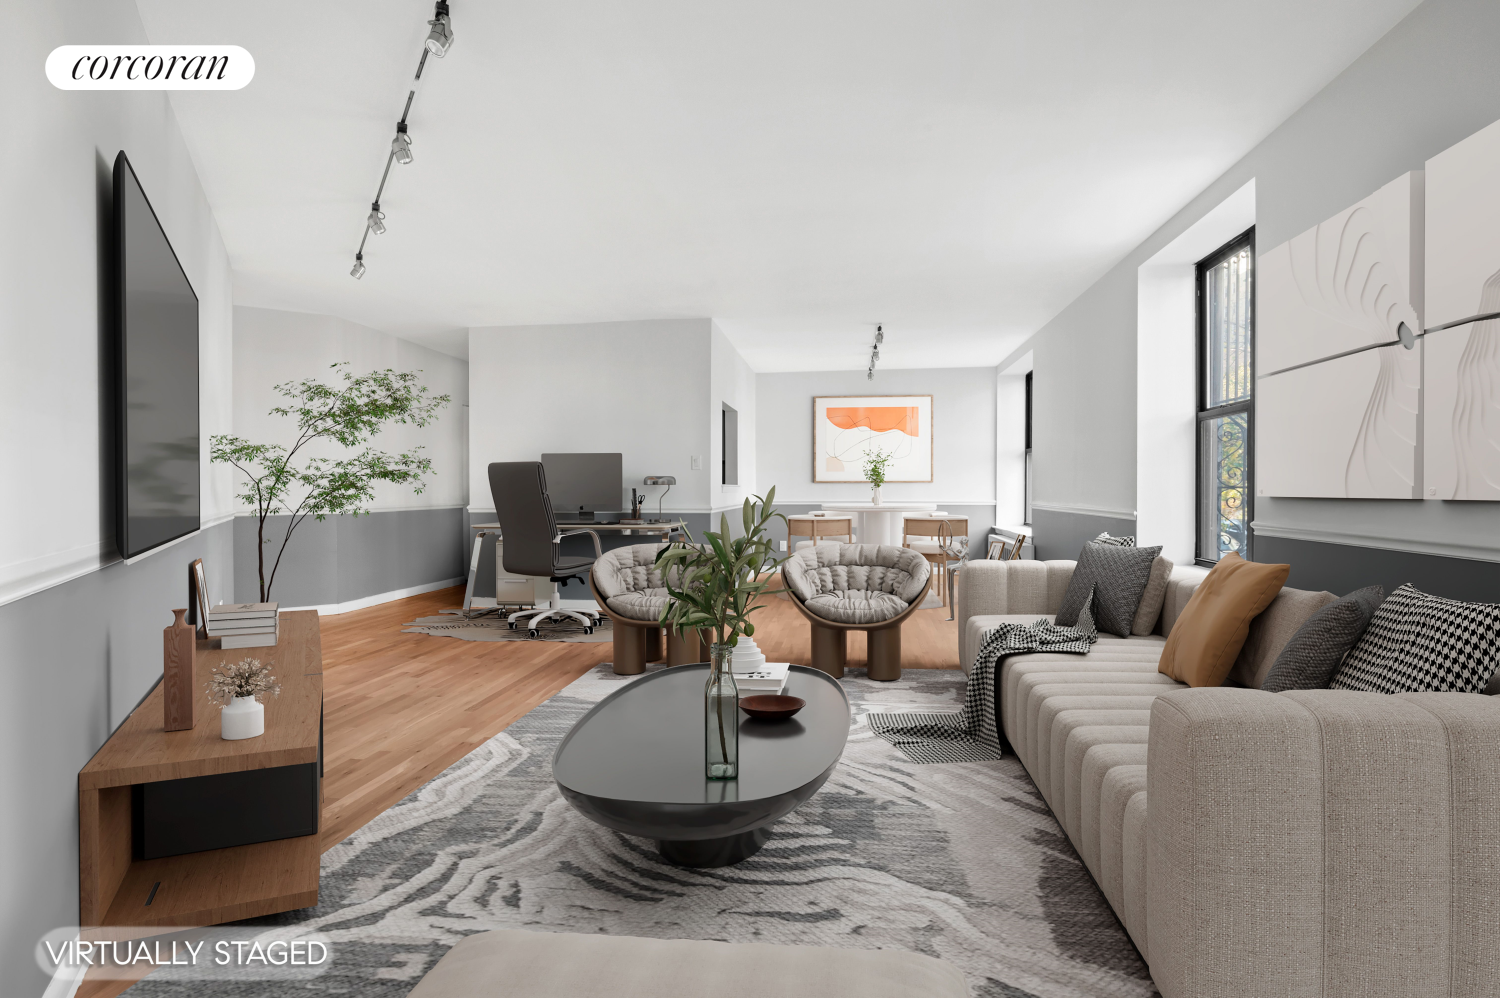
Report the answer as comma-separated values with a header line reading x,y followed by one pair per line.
x,y
1344,408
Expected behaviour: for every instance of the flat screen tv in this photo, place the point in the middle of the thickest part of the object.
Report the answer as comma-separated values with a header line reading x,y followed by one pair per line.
x,y
155,378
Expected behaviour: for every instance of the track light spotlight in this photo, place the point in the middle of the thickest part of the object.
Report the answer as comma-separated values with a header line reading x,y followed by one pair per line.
x,y
359,266
376,220
401,144
440,38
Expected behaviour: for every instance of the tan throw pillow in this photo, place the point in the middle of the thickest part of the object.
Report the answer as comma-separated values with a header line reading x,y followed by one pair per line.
x,y
1155,594
1212,629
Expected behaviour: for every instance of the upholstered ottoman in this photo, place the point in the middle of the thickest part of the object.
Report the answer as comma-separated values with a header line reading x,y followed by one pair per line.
x,y
512,964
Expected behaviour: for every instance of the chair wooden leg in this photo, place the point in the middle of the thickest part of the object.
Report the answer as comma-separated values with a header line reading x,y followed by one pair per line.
x,y
685,650
830,650
885,654
630,650
653,643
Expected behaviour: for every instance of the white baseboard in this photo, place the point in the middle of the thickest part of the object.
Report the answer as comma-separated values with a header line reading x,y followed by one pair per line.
x,y
330,609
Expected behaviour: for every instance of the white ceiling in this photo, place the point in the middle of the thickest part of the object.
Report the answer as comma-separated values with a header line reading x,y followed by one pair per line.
x,y
797,170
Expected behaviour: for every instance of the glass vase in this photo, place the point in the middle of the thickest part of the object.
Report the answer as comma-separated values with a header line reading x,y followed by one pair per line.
x,y
721,717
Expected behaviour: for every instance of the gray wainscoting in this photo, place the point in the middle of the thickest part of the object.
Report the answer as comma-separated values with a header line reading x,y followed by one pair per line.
x,y
1342,568
1061,535
346,558
75,660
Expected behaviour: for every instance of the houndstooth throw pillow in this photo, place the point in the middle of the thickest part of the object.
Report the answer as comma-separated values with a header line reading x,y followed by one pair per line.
x,y
1420,643
1117,576
1106,538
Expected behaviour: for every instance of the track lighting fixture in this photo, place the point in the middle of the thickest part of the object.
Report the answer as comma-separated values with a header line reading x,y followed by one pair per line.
x,y
440,38
401,144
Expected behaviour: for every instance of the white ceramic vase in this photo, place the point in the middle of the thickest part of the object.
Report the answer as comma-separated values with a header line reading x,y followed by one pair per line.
x,y
875,496
245,717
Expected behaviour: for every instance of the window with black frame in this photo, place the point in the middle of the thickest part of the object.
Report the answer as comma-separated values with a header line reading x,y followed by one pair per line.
x,y
1028,449
1226,399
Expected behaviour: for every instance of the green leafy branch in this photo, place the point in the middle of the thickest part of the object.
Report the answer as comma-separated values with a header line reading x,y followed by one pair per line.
x,y
349,414
875,463
717,584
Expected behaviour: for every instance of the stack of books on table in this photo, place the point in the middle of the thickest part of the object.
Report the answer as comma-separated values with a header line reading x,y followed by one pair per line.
x,y
243,625
766,678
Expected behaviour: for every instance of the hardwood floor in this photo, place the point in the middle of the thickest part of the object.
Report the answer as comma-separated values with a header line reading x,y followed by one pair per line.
x,y
400,708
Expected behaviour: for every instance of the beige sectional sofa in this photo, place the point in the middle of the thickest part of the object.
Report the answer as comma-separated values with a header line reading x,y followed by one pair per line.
x,y
1321,843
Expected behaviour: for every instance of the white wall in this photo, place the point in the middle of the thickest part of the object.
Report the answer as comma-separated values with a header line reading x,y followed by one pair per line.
x,y
80,632
1372,123
963,442
732,382
54,198
1166,436
272,347
639,388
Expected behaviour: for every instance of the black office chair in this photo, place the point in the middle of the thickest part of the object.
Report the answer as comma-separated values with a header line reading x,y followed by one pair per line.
x,y
532,542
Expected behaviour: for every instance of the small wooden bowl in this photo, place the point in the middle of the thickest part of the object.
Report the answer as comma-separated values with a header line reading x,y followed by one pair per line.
x,y
771,708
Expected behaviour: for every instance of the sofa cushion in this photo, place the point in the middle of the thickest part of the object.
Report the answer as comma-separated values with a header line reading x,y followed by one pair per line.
x,y
644,604
1152,598
856,568
629,581
1418,643
507,963
628,569
1117,575
1270,632
1312,656
1212,629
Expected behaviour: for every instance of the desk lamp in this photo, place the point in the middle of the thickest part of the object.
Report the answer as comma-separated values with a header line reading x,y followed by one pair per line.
x,y
666,480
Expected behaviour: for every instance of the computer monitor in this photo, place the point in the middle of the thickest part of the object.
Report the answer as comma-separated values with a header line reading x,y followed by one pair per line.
x,y
582,484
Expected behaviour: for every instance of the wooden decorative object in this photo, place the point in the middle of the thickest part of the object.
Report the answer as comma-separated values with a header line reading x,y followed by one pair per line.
x,y
179,655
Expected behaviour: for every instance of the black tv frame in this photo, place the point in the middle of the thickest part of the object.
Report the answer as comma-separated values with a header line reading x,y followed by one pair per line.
x,y
115,380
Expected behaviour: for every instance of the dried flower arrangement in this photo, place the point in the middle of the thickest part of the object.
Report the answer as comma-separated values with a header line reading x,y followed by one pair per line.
x,y
247,678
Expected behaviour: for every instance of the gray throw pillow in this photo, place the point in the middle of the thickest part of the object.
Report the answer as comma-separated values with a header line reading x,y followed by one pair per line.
x,y
1314,653
1118,576
1418,643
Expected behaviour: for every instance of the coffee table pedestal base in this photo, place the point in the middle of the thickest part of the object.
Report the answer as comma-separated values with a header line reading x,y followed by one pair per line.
x,y
715,852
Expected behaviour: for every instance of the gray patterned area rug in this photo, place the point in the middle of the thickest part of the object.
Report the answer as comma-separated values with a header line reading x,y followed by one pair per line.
x,y
961,861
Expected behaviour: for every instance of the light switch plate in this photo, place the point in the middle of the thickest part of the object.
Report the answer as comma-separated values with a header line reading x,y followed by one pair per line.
x,y
697,463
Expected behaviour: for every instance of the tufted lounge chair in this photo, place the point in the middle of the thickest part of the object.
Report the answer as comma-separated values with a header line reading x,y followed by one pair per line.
x,y
632,593
857,587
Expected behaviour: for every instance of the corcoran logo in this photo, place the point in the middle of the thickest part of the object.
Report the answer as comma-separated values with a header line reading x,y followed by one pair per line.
x,y
150,67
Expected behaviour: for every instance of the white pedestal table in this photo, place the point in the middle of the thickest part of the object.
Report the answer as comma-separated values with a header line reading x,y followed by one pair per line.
x,y
879,524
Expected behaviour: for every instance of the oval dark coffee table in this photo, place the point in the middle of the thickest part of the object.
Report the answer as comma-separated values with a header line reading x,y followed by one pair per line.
x,y
634,763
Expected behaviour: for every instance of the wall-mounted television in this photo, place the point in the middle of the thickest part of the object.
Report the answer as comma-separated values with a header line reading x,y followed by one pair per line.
x,y
155,377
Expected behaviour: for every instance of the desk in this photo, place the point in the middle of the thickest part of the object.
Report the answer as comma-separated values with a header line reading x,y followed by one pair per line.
x,y
512,590
879,524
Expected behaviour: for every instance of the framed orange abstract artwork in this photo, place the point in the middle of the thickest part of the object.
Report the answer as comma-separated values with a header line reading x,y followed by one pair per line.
x,y
849,428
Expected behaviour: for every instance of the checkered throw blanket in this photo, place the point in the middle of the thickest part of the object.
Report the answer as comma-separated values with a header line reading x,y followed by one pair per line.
x,y
972,734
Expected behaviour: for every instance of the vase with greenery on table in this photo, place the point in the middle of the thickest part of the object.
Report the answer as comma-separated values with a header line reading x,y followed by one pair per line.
x,y
874,467
239,686
714,586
